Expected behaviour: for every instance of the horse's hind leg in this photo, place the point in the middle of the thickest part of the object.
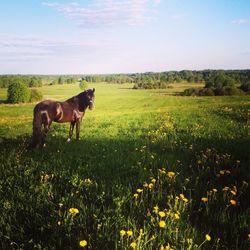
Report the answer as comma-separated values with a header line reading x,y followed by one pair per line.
x,y
78,123
46,125
71,129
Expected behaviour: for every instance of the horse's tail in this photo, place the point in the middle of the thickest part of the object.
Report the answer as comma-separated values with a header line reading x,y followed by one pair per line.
x,y
37,129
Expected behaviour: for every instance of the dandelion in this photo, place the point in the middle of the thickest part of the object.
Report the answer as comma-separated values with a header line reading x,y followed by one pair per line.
x,y
233,192
208,237
162,224
129,233
162,214
73,211
145,185
182,196
59,223
139,190
248,236
122,232
83,243
185,200
204,199
170,174
133,245
233,202
177,216
135,195
150,185
156,209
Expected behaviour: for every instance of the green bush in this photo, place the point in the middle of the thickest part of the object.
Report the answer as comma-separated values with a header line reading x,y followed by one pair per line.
x,y
83,85
245,87
18,92
35,95
206,92
228,91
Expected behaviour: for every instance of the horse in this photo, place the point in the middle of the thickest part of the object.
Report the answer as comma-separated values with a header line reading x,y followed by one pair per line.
x,y
71,110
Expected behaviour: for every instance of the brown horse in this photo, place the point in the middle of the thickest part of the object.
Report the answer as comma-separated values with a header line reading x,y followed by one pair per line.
x,y
72,110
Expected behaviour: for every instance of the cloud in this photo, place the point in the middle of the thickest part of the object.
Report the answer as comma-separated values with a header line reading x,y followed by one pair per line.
x,y
106,13
27,47
239,21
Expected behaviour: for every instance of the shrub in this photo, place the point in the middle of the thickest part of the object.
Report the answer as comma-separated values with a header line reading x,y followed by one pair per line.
x,y
18,92
83,85
35,95
245,87
206,92
191,92
228,91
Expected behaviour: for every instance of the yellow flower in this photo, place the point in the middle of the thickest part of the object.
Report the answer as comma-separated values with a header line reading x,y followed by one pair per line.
x,y
73,211
248,236
185,200
150,185
153,180
204,199
133,245
135,195
139,190
83,243
162,224
182,196
60,204
233,192
208,237
122,232
162,214
156,209
215,190
59,223
145,185
170,174
233,202
177,216
225,189
222,172
129,233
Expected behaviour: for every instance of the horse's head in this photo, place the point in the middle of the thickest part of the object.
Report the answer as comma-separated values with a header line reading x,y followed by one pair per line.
x,y
90,98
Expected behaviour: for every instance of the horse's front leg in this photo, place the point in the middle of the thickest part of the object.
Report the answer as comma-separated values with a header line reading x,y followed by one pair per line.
x,y
78,123
71,129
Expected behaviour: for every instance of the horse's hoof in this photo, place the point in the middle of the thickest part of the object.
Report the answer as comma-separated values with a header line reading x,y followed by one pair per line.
x,y
68,140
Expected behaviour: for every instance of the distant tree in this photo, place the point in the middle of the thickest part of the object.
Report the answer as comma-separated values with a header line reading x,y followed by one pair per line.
x,y
83,85
35,95
18,92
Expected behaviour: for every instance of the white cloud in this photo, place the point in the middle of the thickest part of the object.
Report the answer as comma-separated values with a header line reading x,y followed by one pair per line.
x,y
239,21
101,13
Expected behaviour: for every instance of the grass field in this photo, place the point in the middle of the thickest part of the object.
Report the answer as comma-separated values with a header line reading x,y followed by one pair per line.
x,y
151,171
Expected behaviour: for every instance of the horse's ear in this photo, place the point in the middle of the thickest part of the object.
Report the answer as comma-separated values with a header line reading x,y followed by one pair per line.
x,y
93,90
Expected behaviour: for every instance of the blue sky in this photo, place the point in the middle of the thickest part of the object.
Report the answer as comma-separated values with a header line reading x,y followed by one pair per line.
x,y
123,36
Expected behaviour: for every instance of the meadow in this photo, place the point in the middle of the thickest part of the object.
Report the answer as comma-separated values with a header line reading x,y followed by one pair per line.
x,y
151,170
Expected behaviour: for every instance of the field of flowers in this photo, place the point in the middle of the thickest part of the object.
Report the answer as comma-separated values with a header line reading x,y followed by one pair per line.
x,y
151,171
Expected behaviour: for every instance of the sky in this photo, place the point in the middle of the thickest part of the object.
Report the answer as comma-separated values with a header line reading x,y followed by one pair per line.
x,y
123,36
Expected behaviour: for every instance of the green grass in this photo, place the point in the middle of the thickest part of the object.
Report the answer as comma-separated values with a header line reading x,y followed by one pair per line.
x,y
119,175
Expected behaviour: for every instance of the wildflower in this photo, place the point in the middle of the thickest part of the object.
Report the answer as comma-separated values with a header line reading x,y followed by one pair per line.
x,y
204,199
170,174
225,189
182,196
122,232
162,214
73,211
150,185
208,237
141,231
133,245
233,192
233,202
153,180
222,172
248,236
177,216
162,224
135,195
60,204
59,223
139,190
83,243
129,233
215,190
156,209
145,185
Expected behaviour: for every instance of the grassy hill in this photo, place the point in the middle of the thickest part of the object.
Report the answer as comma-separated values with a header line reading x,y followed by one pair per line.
x,y
151,171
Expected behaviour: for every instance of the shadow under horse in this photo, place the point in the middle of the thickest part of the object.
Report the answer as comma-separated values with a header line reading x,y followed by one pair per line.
x,y
72,110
